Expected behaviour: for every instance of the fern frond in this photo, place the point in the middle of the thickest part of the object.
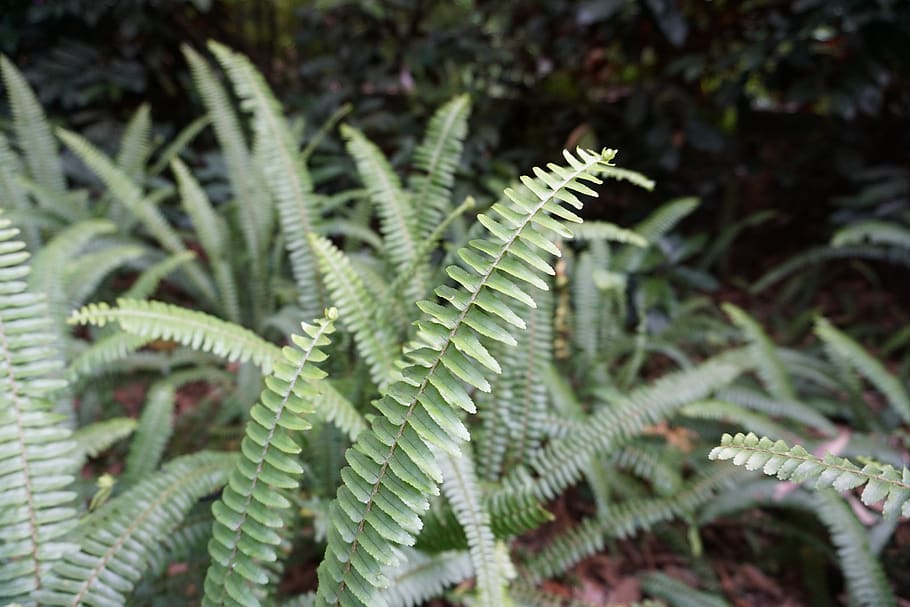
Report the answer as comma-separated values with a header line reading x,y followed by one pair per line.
x,y
770,368
622,521
437,158
152,433
157,320
562,461
398,221
100,436
866,580
776,458
647,463
33,131
655,226
740,417
792,410
422,576
119,539
84,274
131,197
526,595
819,255
463,493
391,466
842,346
287,177
240,169
98,357
248,513
12,193
375,343
213,235
874,232
37,455
135,146
603,230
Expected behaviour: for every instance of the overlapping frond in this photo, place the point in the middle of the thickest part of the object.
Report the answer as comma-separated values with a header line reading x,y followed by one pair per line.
x,y
842,347
38,457
248,515
391,466
33,131
100,355
776,458
398,221
287,177
436,159
97,437
375,343
119,539
422,576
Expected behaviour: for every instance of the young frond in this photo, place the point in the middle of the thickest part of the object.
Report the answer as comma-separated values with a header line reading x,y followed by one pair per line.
x,y
33,131
436,159
776,458
376,344
770,368
398,220
391,466
843,347
157,320
119,539
38,458
249,513
287,177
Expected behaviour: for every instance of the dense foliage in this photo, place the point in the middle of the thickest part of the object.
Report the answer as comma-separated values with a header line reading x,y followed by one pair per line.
x,y
253,359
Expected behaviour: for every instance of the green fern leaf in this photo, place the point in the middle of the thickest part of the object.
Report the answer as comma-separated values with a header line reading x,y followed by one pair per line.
x,y
874,232
152,433
842,347
135,146
397,217
98,357
770,368
33,131
147,282
100,436
437,158
776,458
248,513
391,466
178,144
119,539
424,576
12,193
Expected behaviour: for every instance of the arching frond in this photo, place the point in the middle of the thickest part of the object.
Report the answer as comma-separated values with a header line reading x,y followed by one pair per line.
x,y
38,457
843,347
740,417
602,230
178,144
98,437
118,540
391,466
200,331
147,282
874,232
287,177
770,368
398,220
653,228
100,355
819,255
436,159
84,274
776,458
249,512
792,410
33,131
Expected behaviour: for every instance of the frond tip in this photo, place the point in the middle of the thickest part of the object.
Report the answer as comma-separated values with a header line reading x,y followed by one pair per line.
x,y
776,458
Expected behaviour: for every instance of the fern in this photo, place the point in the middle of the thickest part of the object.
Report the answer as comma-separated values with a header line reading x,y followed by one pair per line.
x,y
177,145
118,540
135,146
653,228
248,513
423,576
776,458
150,278
397,216
100,436
873,232
842,347
770,368
33,131
100,356
391,465
677,593
437,158
38,457
793,410
286,176
13,195
152,432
